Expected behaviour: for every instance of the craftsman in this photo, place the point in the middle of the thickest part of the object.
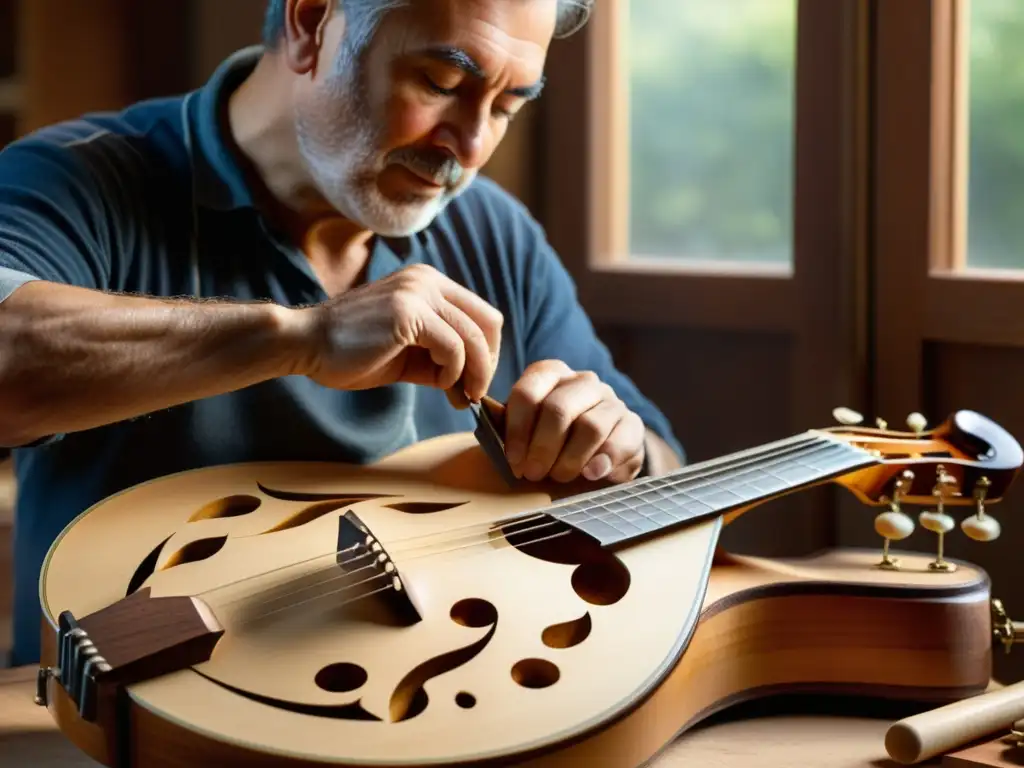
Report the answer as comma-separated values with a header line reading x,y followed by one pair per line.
x,y
298,261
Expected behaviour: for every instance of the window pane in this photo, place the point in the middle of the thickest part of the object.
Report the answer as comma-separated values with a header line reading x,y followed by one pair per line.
x,y
995,203
711,90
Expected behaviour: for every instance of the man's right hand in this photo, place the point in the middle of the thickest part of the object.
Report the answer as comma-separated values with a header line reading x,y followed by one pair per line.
x,y
415,325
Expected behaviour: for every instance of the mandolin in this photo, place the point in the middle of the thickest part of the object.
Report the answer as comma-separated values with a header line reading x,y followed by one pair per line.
x,y
430,610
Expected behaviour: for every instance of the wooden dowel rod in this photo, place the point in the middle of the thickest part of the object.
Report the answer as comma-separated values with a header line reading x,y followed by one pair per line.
x,y
950,727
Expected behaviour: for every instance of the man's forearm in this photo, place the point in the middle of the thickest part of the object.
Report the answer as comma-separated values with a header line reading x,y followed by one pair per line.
x,y
73,359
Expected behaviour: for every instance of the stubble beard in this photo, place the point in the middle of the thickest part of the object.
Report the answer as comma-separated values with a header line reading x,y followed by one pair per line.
x,y
343,158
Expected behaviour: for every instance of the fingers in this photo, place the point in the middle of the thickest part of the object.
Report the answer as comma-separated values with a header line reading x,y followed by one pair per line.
x,y
589,433
488,319
477,362
624,450
476,324
439,356
563,424
523,407
557,418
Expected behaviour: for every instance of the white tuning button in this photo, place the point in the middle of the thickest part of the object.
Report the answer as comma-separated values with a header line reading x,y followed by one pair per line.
x,y
983,528
847,416
894,526
936,522
917,422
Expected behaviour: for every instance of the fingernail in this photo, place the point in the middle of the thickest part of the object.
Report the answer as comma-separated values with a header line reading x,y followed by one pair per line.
x,y
533,471
597,467
514,452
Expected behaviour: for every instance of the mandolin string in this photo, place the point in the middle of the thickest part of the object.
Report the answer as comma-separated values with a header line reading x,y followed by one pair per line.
x,y
265,614
697,472
683,475
476,541
680,476
473,543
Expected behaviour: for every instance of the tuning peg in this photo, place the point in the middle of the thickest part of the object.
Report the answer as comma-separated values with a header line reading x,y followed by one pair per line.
x,y
981,526
916,422
847,416
881,423
894,524
939,523
945,485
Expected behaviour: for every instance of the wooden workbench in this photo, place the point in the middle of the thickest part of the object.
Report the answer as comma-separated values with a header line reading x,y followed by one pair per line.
x,y
765,737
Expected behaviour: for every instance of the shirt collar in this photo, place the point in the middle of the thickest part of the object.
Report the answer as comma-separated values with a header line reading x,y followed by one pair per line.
x,y
220,181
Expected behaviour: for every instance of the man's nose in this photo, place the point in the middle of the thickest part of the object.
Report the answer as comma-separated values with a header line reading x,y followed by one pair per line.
x,y
466,137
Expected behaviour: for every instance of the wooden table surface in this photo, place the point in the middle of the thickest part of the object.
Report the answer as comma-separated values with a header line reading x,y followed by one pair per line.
x,y
762,736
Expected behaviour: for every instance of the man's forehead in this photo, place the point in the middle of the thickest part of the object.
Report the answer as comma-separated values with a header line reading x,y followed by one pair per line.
x,y
489,32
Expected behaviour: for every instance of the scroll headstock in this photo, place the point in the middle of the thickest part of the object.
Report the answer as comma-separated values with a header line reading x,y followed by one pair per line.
x,y
967,461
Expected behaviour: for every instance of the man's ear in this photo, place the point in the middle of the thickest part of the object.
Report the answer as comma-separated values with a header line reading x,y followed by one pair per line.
x,y
303,32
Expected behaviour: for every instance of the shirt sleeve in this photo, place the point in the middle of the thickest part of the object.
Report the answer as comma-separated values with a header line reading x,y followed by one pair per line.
x,y
52,221
557,327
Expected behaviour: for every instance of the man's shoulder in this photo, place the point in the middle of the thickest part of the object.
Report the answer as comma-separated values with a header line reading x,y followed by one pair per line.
x,y
486,227
489,210
139,144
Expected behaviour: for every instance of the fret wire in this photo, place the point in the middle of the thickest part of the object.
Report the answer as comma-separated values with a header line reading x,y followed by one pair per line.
x,y
695,472
682,488
684,482
814,447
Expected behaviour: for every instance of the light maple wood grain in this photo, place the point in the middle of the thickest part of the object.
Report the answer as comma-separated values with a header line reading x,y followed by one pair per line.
x,y
797,739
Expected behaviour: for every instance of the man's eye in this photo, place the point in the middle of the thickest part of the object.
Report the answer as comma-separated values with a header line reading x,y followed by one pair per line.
x,y
437,88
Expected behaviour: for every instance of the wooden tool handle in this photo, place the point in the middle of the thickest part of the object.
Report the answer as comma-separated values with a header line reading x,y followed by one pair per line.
x,y
932,733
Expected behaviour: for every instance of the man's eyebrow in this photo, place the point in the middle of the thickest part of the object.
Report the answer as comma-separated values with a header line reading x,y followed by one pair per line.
x,y
457,57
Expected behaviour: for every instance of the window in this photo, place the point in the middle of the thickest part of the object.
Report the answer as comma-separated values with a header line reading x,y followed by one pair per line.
x,y
994,105
710,111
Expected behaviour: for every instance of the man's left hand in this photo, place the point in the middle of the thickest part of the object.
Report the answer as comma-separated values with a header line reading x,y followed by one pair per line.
x,y
563,424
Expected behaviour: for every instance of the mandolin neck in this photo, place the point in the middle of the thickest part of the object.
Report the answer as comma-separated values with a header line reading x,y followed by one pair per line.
x,y
648,506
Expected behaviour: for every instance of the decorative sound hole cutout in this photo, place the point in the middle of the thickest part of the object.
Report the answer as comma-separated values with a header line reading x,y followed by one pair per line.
x,y
145,569
195,551
535,673
474,612
423,507
310,513
409,698
567,634
274,493
230,506
601,583
341,678
465,700
599,579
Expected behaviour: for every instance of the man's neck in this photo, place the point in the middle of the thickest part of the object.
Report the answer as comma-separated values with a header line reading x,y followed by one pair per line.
x,y
262,129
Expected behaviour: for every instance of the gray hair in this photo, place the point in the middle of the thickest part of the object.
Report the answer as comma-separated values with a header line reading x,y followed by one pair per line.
x,y
363,16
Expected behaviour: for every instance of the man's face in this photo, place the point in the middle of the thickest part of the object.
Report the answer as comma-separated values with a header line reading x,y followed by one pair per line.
x,y
391,136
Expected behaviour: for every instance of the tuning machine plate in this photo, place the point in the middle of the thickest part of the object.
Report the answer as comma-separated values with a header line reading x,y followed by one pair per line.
x,y
1007,631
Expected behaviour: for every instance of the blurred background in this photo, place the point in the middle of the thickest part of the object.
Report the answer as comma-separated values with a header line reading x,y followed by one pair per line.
x,y
771,208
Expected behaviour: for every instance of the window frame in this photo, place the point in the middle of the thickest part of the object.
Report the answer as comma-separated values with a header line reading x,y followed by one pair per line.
x,y
820,298
581,119
925,292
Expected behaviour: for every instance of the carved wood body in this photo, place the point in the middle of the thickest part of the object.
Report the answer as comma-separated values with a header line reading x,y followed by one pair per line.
x,y
557,653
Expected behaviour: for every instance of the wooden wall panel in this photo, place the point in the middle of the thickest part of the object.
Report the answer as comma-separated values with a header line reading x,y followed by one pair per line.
x,y
8,126
8,35
724,392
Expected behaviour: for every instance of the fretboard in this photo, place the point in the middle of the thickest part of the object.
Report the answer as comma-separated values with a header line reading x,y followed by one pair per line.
x,y
633,510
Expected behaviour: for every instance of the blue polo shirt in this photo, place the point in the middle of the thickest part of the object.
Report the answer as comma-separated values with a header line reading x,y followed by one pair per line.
x,y
152,200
